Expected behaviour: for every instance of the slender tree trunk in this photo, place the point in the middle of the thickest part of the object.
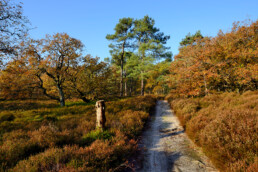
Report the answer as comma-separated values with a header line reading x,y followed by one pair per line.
x,y
142,85
125,85
81,94
142,78
122,70
61,95
125,88
121,81
130,89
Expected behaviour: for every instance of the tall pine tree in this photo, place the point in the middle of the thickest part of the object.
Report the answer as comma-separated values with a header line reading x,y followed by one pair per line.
x,y
150,43
123,33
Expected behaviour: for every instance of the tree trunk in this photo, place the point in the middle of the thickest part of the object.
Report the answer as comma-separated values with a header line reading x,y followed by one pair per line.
x,y
142,78
142,85
44,89
130,88
122,70
121,83
134,87
61,95
82,96
125,85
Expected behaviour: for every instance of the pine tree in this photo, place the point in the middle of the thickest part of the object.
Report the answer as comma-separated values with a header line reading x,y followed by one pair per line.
x,y
123,33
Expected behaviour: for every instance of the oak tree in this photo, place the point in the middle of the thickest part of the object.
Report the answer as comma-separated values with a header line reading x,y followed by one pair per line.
x,y
91,79
54,57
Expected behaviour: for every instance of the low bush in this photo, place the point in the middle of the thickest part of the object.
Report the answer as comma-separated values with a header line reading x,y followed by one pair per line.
x,y
132,122
225,126
101,155
65,139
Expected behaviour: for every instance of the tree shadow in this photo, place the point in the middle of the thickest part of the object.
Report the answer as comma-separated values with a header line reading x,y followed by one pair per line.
x,y
173,134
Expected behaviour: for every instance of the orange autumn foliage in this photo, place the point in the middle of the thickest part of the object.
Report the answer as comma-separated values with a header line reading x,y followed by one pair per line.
x,y
227,62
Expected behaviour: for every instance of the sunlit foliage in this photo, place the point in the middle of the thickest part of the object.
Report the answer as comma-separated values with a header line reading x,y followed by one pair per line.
x,y
227,62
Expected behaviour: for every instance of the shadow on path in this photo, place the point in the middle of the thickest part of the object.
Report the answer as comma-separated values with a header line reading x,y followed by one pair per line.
x,y
165,146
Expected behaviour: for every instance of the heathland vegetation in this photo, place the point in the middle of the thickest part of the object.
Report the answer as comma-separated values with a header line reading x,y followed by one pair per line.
x,y
48,90
42,136
213,85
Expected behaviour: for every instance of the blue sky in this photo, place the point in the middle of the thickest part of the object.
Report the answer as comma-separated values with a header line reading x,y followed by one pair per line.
x,y
91,20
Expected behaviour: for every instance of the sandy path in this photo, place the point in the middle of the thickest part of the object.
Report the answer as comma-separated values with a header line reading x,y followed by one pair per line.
x,y
167,148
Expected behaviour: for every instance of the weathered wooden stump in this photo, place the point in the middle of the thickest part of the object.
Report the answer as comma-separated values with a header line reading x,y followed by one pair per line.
x,y
100,111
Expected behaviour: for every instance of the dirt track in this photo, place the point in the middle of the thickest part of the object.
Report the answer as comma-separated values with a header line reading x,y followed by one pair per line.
x,y
167,148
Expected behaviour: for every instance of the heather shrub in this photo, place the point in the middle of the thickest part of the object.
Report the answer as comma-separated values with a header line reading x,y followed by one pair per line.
x,y
141,103
47,161
102,155
132,122
64,139
16,146
225,125
84,127
185,109
252,167
7,126
20,144
232,134
50,136
172,96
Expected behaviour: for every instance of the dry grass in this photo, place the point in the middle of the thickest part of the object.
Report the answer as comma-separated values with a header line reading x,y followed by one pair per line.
x,y
225,125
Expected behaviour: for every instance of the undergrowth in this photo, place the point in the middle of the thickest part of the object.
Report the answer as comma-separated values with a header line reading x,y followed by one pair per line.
x,y
50,138
224,125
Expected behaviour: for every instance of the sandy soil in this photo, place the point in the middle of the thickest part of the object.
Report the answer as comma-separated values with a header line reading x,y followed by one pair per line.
x,y
166,147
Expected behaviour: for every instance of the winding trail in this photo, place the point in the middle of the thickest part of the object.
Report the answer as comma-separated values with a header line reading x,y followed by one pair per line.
x,y
166,147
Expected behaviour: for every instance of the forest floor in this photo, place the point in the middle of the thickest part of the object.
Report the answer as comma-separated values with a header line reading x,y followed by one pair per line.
x,y
166,147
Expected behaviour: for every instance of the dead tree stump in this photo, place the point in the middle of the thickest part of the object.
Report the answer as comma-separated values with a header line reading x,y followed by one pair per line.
x,y
101,118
